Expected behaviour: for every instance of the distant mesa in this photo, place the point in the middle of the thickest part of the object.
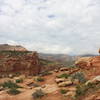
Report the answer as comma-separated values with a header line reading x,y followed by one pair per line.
x,y
7,47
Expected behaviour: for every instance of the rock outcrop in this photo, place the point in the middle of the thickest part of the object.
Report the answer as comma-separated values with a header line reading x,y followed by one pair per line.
x,y
88,62
19,62
91,65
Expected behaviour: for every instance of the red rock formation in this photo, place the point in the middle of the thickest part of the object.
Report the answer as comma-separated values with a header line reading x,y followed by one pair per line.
x,y
88,62
91,65
26,64
84,62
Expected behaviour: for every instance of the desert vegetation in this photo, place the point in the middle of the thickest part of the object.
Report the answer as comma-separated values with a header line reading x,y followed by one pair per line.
x,y
80,76
84,89
63,91
12,88
19,80
40,79
50,81
13,91
38,94
10,84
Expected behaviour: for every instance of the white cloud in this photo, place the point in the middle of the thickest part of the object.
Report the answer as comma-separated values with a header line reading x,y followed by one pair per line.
x,y
55,26
48,48
11,42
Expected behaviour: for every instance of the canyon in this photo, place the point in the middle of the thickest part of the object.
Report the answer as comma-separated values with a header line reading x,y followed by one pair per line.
x,y
35,76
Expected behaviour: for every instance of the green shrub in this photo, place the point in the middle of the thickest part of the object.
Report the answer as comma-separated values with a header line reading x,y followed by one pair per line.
x,y
63,75
38,94
40,79
80,76
19,80
10,84
63,91
81,90
13,91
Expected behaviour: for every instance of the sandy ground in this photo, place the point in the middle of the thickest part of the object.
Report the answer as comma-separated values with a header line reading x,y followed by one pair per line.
x,y
51,88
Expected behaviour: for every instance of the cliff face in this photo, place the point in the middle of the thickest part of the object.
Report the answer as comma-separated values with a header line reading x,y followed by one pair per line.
x,y
84,62
88,62
6,47
19,62
91,65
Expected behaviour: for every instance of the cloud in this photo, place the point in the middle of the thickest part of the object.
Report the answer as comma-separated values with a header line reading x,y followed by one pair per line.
x,y
51,26
48,48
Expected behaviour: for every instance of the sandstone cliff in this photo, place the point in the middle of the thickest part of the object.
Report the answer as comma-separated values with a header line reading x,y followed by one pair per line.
x,y
88,62
19,62
91,65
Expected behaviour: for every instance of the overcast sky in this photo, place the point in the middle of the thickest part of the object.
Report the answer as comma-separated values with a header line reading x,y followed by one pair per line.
x,y
51,26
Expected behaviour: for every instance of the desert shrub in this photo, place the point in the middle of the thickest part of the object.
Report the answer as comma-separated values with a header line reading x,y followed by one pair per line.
x,y
84,89
13,91
81,90
10,84
91,85
63,91
38,94
80,76
40,79
19,80
63,75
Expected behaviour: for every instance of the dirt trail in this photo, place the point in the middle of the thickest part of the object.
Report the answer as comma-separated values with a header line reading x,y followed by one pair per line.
x,y
55,95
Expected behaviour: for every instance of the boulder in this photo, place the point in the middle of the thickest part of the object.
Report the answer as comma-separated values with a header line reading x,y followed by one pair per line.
x,y
66,83
94,80
70,94
64,69
59,80
56,70
97,78
1,88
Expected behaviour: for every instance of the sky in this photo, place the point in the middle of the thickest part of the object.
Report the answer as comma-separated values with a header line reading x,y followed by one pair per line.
x,y
51,26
